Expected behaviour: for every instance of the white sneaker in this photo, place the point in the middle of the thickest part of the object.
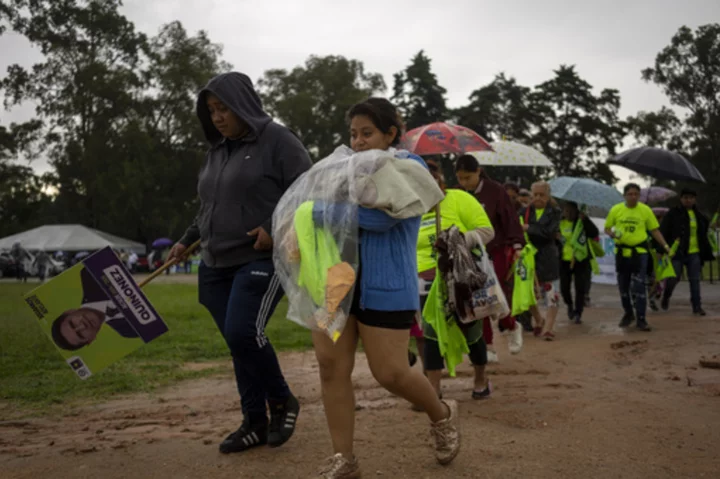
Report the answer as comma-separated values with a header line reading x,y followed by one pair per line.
x,y
492,357
515,339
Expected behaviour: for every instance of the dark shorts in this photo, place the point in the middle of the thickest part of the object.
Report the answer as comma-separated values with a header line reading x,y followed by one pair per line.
x,y
433,360
379,319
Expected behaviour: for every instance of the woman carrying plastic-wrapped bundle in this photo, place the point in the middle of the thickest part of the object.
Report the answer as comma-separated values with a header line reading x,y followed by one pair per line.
x,y
385,298
462,210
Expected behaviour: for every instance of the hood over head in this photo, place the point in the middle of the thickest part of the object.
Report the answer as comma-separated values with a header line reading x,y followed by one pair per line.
x,y
237,92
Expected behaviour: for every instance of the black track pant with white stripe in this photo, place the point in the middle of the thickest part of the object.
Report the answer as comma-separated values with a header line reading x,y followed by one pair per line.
x,y
241,300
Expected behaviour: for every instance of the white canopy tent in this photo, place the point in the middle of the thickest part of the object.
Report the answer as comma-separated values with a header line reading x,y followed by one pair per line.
x,y
69,238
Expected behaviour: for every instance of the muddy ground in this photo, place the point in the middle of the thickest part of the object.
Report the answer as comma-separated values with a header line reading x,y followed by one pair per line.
x,y
598,402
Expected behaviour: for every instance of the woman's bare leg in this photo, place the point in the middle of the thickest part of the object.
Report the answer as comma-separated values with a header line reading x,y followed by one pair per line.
x,y
552,313
386,350
336,362
435,377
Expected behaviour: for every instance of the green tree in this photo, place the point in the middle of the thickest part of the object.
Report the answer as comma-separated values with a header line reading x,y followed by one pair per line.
x,y
119,113
500,110
22,200
313,99
661,129
575,128
164,147
85,90
418,95
688,71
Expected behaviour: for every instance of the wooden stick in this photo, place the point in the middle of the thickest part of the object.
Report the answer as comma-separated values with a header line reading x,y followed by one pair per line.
x,y
175,261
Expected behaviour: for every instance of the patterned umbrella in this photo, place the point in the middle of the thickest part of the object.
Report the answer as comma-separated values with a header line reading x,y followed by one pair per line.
x,y
655,194
510,153
443,138
585,191
658,163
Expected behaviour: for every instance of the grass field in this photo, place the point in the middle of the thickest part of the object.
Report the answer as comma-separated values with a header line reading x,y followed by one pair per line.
x,y
34,376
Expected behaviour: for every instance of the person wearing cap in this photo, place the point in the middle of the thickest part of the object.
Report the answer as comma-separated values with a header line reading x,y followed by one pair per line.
x,y
687,225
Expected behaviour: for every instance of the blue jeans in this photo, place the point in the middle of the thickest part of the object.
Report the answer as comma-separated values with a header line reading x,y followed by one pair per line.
x,y
241,300
693,266
632,288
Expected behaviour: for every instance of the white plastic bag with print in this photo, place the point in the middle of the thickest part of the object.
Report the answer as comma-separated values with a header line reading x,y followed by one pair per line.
x,y
488,301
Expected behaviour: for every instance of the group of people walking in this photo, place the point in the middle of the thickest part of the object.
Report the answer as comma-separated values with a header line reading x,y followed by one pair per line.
x,y
251,163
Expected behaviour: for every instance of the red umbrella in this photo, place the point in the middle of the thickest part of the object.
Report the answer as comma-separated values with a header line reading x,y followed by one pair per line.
x,y
442,138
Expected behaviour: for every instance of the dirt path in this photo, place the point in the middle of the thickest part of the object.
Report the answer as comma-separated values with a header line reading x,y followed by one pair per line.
x,y
598,402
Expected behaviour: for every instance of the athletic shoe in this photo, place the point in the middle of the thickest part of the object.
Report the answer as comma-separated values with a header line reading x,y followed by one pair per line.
x,y
484,394
627,320
338,467
700,312
492,357
515,340
245,438
282,421
446,435
643,326
578,319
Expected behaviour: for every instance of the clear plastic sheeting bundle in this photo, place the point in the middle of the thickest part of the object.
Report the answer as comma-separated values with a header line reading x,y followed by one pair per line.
x,y
316,230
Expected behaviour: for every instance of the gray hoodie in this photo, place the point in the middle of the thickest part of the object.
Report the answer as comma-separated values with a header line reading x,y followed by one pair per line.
x,y
242,180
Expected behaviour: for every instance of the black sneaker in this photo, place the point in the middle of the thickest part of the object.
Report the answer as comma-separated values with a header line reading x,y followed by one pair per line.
x,y
665,304
700,312
643,326
571,314
627,320
282,421
245,438
578,319
483,394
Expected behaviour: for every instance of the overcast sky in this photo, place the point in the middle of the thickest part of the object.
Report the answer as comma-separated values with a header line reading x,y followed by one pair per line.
x,y
469,41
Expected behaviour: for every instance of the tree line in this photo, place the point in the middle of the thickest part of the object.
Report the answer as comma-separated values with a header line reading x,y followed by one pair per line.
x,y
115,115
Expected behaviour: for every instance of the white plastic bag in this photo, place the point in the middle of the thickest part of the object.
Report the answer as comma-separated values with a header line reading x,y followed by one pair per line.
x,y
488,301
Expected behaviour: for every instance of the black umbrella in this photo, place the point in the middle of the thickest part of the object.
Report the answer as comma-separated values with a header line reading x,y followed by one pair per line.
x,y
658,163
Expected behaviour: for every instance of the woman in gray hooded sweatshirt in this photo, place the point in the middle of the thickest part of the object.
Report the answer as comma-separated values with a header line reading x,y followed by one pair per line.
x,y
251,162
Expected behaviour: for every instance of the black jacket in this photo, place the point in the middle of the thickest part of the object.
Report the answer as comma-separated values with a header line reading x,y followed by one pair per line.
x,y
242,180
676,225
543,235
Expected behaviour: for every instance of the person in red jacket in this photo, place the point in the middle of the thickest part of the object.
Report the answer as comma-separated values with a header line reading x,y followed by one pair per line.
x,y
505,248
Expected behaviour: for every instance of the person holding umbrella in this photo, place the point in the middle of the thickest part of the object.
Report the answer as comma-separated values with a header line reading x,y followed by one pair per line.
x,y
629,225
687,225
576,230
251,162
